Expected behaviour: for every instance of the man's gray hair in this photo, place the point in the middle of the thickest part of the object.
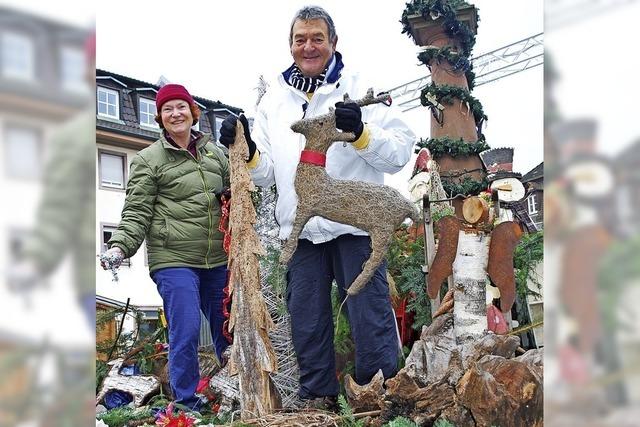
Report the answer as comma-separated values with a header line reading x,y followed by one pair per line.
x,y
314,12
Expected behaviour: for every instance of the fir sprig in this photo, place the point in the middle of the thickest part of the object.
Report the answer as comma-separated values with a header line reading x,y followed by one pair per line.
x,y
468,187
439,147
459,63
447,94
447,11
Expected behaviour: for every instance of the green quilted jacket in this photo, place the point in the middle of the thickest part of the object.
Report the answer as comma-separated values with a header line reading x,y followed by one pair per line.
x,y
171,202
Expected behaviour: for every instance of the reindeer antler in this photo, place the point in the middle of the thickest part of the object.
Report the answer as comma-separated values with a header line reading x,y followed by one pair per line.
x,y
369,99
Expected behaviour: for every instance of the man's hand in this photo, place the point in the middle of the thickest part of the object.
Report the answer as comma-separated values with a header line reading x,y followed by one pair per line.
x,y
228,133
349,118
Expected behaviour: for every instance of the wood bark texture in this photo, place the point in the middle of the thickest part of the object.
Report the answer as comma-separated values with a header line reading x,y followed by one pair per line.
x,y
470,281
252,356
504,239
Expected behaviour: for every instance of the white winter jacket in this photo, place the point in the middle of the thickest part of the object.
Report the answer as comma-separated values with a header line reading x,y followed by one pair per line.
x,y
389,149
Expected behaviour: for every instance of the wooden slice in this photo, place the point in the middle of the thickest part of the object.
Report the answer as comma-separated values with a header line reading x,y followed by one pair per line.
x,y
475,210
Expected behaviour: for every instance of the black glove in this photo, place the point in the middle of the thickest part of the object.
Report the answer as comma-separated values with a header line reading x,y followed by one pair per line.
x,y
228,133
349,118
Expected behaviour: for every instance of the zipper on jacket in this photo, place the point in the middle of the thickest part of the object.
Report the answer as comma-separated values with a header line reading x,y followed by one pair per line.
x,y
206,192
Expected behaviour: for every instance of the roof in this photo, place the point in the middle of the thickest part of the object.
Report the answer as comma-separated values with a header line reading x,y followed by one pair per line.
x,y
133,83
534,174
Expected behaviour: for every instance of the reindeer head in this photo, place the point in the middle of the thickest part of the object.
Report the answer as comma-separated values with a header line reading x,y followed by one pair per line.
x,y
320,132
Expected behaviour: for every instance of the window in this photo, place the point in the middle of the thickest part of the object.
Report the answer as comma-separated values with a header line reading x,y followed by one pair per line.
x,y
106,231
148,113
149,323
108,103
18,56
112,169
73,69
23,152
531,203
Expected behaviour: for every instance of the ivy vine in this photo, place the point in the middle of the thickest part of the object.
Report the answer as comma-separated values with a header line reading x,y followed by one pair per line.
x,y
459,63
434,9
447,94
438,147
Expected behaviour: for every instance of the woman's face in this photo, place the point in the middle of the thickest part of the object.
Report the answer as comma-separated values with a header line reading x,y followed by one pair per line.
x,y
176,116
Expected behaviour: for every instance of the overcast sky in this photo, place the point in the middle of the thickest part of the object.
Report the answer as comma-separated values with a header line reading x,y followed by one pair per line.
x,y
219,49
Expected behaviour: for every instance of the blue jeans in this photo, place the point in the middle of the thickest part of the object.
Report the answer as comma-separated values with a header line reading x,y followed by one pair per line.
x,y
185,291
312,270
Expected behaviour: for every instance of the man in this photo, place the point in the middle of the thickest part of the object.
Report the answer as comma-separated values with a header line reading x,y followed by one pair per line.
x,y
327,250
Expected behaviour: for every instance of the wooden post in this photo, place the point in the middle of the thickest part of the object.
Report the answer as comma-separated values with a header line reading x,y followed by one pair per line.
x,y
429,248
252,356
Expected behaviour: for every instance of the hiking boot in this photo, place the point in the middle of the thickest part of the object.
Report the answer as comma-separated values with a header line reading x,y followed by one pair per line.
x,y
327,403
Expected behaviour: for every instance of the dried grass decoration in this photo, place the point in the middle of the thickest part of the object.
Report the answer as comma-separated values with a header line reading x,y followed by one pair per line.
x,y
374,208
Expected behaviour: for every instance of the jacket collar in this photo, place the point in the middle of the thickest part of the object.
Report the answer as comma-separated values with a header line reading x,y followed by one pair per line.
x,y
203,139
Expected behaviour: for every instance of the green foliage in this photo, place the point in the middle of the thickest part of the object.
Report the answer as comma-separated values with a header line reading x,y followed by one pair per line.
x,y
276,276
468,187
102,369
126,340
401,422
619,269
527,255
446,10
438,147
441,422
348,420
144,362
459,63
120,417
404,262
447,94
342,342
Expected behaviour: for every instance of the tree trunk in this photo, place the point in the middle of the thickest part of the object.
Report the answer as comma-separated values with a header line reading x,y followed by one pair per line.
x,y
252,356
470,279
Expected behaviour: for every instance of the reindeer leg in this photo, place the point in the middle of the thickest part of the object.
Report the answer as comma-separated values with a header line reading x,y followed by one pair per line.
x,y
379,245
292,242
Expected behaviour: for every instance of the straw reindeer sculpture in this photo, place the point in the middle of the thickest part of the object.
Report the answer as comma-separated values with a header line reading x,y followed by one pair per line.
x,y
374,208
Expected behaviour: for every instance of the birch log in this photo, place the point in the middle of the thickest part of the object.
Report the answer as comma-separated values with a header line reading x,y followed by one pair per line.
x,y
470,279
252,356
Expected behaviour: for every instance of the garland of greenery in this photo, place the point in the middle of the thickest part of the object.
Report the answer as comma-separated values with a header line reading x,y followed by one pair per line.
x,y
526,256
468,187
447,94
405,258
459,63
438,147
453,27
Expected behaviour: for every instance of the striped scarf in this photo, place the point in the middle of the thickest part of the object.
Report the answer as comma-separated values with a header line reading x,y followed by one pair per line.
x,y
294,77
306,84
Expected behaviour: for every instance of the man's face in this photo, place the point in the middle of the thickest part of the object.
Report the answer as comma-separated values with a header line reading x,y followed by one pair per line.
x,y
310,46
176,116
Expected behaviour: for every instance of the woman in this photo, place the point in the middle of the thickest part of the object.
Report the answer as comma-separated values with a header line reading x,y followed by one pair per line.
x,y
171,202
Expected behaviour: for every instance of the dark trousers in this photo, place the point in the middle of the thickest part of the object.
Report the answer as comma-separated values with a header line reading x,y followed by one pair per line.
x,y
184,292
312,270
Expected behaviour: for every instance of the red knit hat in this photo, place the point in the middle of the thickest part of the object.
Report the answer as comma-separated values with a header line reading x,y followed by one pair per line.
x,y
172,91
